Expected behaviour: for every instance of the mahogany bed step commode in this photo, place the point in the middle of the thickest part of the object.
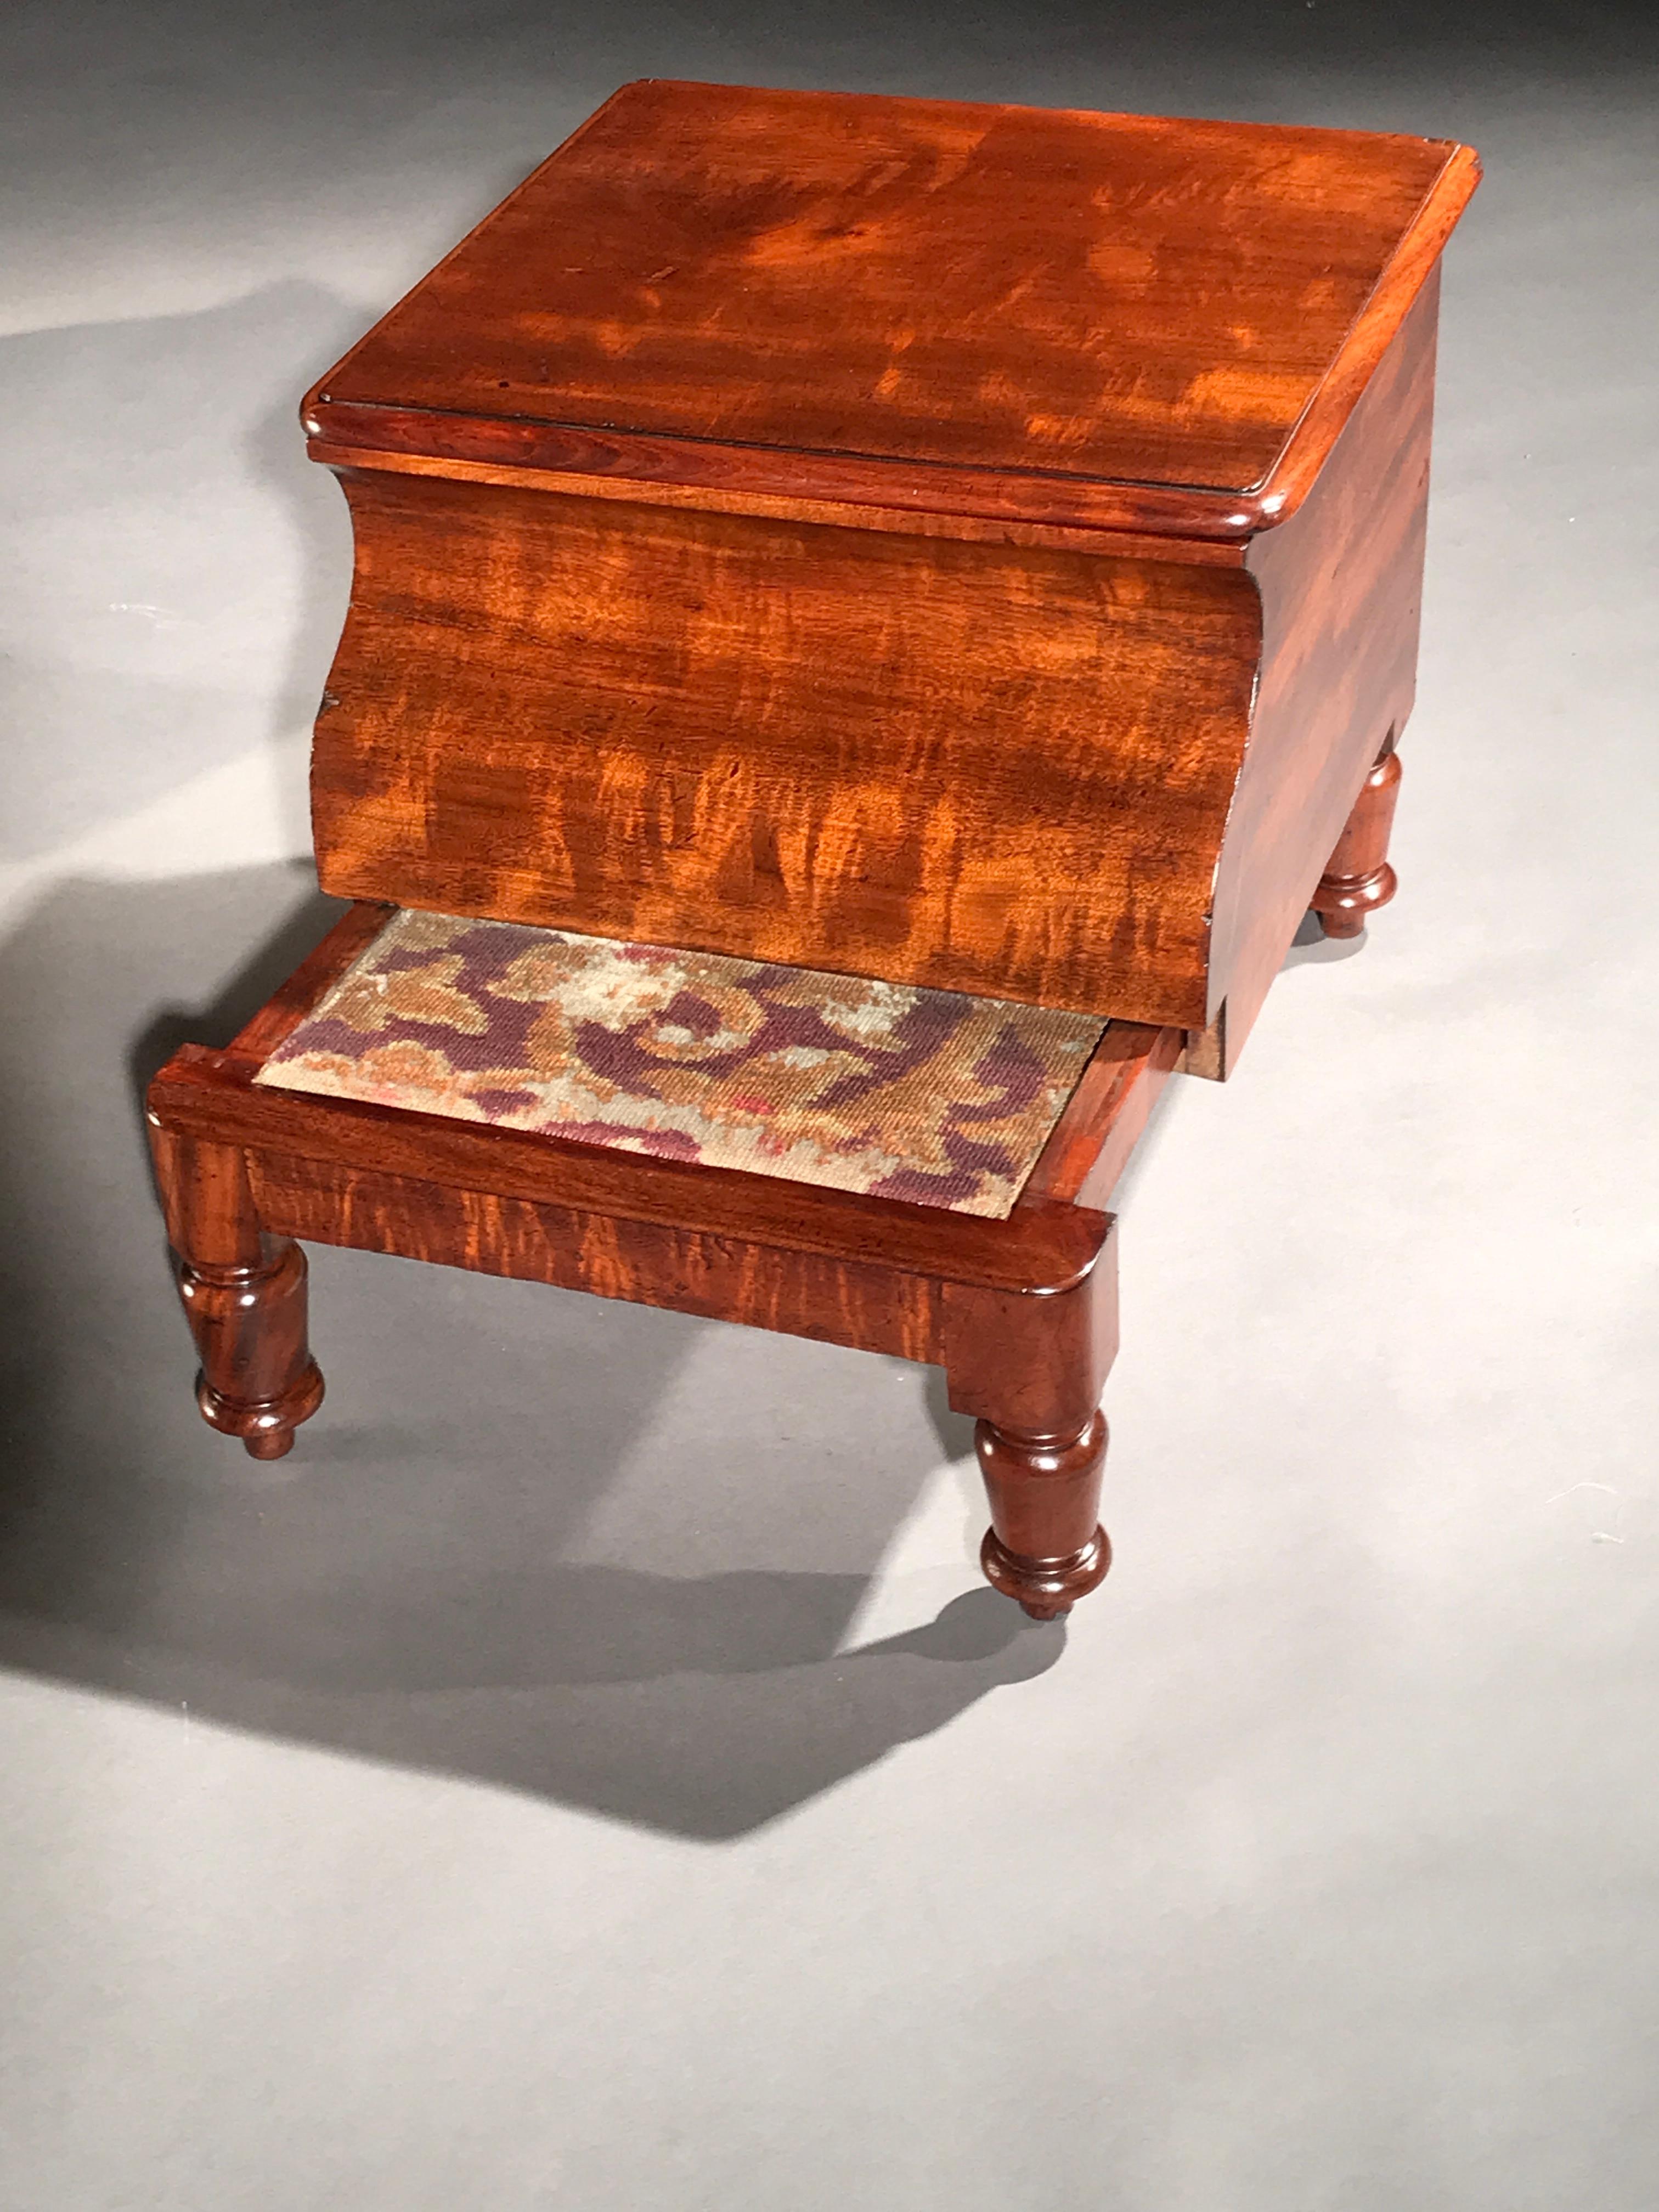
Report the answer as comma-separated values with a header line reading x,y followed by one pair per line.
x,y
874,622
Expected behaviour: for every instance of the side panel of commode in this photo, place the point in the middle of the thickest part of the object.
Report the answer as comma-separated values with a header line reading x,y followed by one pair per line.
x,y
1341,585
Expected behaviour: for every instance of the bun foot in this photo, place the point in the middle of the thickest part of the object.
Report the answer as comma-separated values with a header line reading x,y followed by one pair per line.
x,y
1046,1589
1357,879
265,1426
1344,903
1045,1548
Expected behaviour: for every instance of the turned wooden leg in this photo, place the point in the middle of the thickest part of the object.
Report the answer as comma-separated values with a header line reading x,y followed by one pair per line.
x,y
1357,879
1029,1365
257,1379
243,1293
1045,1546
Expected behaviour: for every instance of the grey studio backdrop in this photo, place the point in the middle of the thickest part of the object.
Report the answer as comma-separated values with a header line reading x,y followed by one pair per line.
x,y
588,1772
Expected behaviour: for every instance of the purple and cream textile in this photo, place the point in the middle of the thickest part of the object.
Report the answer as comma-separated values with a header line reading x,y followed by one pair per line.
x,y
919,1095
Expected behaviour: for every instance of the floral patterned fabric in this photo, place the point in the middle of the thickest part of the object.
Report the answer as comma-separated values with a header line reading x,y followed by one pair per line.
x,y
909,1094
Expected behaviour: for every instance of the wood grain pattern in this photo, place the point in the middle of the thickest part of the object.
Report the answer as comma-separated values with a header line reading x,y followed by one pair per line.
x,y
996,769
713,283
1090,1146
205,1199
1033,1362
980,516
1093,774
872,1306
1341,590
1044,1248
759,479
1011,770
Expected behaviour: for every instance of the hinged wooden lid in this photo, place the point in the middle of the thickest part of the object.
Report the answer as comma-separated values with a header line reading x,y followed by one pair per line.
x,y
1048,315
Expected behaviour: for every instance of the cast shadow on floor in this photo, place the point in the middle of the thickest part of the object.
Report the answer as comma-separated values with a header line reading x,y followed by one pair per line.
x,y
421,1581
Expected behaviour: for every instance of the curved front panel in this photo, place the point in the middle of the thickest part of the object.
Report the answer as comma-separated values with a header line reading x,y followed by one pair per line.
x,y
981,768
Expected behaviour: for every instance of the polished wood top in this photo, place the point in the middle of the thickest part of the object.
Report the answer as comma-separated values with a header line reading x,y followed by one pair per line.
x,y
709,283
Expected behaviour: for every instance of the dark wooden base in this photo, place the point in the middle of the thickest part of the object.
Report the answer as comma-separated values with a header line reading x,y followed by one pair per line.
x,y
1357,879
